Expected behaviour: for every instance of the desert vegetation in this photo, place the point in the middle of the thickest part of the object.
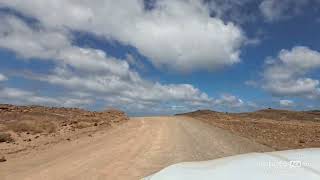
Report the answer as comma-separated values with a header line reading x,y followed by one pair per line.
x,y
5,137
32,126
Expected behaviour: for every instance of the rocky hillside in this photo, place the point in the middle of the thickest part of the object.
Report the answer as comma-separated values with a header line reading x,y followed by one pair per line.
x,y
22,127
279,129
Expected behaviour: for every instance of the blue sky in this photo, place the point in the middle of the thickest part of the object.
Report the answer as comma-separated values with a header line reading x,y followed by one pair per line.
x,y
161,56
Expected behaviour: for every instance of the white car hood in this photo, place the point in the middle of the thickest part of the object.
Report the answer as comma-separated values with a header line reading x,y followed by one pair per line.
x,y
281,165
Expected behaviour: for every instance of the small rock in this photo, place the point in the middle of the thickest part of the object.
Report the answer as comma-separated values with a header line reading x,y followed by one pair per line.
x,y
90,135
68,139
36,137
301,141
29,140
95,124
3,159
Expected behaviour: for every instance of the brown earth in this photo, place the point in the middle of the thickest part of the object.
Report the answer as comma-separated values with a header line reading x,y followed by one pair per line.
x,y
23,128
134,149
279,129
61,143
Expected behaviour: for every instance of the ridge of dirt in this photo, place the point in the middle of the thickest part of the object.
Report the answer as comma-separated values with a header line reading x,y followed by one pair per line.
x,y
24,128
279,129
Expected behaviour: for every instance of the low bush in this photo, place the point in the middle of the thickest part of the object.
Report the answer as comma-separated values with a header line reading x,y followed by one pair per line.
x,y
5,137
83,124
33,126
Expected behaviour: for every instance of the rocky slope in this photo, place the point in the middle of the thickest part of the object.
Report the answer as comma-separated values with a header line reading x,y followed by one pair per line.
x,y
26,127
279,129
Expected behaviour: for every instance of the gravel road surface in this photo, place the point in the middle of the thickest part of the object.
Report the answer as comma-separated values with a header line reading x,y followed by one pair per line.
x,y
130,151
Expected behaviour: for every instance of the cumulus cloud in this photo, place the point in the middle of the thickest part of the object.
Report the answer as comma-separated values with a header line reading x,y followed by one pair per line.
x,y
245,11
234,10
16,36
287,74
274,10
3,77
179,35
229,101
20,96
27,42
286,103
89,72
131,87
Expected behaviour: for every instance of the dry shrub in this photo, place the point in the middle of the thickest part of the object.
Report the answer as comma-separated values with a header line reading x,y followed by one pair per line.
x,y
83,124
33,126
3,128
5,137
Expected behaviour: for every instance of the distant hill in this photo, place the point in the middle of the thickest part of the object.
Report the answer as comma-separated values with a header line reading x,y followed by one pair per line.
x,y
274,114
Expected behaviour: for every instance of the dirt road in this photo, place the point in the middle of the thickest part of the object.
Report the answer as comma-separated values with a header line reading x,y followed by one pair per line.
x,y
130,151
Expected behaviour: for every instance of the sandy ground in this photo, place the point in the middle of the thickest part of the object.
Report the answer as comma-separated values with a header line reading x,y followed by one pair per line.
x,y
130,151
279,129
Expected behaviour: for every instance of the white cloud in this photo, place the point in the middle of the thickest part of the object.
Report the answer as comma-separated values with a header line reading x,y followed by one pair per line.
x,y
251,83
286,75
234,10
89,72
175,34
132,89
270,10
19,96
125,90
300,58
274,10
3,78
294,87
136,63
229,101
16,36
286,103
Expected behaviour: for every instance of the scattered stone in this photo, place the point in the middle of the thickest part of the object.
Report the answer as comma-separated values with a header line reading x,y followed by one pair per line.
x,y
3,159
36,137
302,141
68,139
